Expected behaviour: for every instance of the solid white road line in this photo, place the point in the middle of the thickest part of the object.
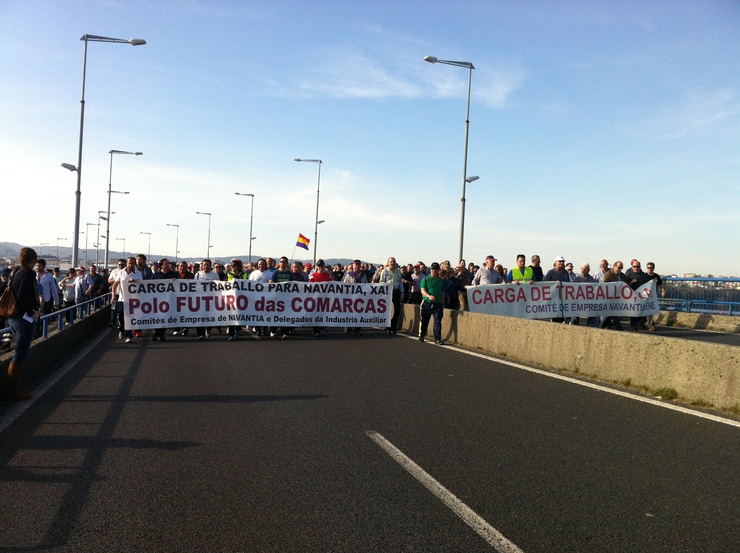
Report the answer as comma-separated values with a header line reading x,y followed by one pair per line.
x,y
20,407
599,387
485,530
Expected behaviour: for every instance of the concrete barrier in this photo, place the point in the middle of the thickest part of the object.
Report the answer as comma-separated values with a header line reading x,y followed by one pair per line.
x,y
48,353
699,371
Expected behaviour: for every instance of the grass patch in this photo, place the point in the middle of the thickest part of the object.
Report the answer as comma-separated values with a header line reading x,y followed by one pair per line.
x,y
702,403
667,394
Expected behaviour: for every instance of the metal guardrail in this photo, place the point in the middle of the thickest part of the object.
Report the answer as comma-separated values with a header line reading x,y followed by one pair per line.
x,y
718,296
77,311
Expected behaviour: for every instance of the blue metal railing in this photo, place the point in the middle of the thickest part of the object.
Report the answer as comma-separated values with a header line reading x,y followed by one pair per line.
x,y
77,311
719,296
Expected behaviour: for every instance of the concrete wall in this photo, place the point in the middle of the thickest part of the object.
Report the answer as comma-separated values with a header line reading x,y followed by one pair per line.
x,y
698,371
48,353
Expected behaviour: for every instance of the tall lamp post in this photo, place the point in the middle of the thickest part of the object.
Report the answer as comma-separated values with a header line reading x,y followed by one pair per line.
x,y
469,66
87,236
177,240
149,247
110,191
58,239
97,251
208,252
316,219
78,193
251,222
124,245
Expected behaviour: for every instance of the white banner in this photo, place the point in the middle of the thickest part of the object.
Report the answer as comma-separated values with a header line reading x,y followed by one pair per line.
x,y
191,303
558,299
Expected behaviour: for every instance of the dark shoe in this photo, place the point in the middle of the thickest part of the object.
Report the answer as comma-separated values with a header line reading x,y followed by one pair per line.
x,y
439,342
421,338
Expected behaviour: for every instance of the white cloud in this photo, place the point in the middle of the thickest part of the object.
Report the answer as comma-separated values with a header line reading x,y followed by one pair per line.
x,y
698,113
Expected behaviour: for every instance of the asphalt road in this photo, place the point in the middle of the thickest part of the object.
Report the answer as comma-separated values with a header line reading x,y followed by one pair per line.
x,y
266,445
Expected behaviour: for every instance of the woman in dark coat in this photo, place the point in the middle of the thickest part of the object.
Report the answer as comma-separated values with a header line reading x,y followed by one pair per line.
x,y
23,284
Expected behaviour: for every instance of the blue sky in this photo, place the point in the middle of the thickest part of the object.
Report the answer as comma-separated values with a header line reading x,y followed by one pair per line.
x,y
598,129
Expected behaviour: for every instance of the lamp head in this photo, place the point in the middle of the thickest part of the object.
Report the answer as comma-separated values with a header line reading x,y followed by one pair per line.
x,y
471,179
430,59
137,41
69,166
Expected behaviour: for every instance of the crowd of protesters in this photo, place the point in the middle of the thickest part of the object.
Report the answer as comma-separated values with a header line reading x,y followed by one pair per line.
x,y
450,281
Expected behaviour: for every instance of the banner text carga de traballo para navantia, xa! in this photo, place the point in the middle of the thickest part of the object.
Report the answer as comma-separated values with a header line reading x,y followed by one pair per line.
x,y
191,303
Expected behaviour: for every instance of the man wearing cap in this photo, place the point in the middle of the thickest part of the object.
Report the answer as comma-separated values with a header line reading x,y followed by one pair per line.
x,y
558,272
432,291
487,274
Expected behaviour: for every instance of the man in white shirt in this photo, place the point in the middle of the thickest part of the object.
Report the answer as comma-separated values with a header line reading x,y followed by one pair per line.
x,y
111,279
48,291
487,274
118,294
206,273
392,275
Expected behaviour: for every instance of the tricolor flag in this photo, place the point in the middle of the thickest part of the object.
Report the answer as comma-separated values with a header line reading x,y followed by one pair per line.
x,y
303,242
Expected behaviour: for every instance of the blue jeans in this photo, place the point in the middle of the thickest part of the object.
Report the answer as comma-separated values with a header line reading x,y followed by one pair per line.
x,y
427,311
23,334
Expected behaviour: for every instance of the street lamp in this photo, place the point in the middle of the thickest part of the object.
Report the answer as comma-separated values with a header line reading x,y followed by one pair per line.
x,y
149,247
251,221
78,193
208,253
87,235
316,220
177,240
97,251
110,182
124,245
58,239
469,66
